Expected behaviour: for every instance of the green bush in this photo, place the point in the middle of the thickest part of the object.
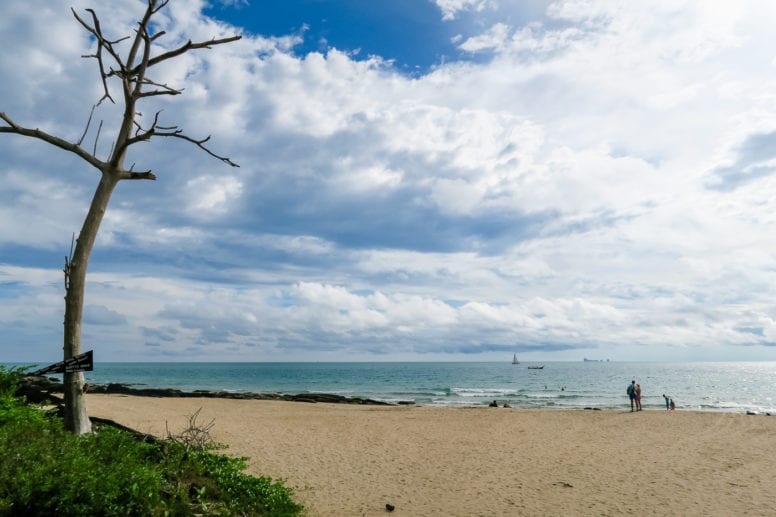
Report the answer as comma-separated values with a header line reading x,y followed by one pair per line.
x,y
45,470
221,479
10,379
13,408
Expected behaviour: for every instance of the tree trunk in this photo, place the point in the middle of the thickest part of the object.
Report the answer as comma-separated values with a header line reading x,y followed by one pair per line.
x,y
76,418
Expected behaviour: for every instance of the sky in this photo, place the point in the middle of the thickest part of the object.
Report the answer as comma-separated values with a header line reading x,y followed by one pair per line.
x,y
419,180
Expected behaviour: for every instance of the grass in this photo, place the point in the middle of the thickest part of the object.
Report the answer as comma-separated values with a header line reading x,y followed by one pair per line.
x,y
45,470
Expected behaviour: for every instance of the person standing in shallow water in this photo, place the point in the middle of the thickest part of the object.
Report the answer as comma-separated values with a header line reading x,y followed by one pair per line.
x,y
638,397
631,391
667,402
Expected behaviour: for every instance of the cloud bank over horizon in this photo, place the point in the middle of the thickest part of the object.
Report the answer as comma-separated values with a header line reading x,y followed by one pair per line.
x,y
568,179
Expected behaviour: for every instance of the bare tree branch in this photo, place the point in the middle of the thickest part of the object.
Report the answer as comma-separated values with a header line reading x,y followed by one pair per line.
x,y
13,127
129,175
139,35
144,135
198,143
160,6
162,89
97,139
88,123
174,132
140,78
185,48
102,43
153,93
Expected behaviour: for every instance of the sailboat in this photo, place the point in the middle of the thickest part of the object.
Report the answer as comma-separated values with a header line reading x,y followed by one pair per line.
x,y
514,359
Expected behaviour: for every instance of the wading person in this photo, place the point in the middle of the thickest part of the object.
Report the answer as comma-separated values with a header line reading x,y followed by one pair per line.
x,y
638,397
631,391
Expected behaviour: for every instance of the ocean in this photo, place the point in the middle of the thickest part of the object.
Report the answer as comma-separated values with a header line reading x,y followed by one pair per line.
x,y
701,386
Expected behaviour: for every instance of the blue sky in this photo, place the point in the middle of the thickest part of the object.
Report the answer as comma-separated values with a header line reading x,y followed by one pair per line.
x,y
419,180
415,35
407,31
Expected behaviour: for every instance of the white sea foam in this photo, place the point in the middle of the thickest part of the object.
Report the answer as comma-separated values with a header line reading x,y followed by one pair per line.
x,y
484,392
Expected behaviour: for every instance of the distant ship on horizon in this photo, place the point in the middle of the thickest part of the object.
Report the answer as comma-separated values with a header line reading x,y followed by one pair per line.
x,y
595,360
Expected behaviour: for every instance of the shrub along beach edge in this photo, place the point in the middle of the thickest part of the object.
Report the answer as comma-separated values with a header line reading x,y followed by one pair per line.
x,y
45,470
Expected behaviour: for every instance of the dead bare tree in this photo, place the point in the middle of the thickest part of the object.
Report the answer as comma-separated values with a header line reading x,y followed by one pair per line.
x,y
131,70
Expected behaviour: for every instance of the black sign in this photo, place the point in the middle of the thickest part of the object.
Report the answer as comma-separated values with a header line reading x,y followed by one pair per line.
x,y
80,363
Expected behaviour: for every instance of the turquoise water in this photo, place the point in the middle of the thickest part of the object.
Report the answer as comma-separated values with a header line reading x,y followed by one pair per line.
x,y
736,386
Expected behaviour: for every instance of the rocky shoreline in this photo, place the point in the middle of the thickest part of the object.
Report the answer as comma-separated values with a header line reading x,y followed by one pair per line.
x,y
39,389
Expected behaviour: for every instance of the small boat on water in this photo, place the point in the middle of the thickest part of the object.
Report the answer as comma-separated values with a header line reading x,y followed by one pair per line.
x,y
536,367
514,359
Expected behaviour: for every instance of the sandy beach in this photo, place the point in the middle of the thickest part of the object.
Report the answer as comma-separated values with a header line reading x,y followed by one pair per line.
x,y
347,460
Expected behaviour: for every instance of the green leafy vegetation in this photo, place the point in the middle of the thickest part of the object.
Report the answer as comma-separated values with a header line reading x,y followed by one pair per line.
x,y
45,470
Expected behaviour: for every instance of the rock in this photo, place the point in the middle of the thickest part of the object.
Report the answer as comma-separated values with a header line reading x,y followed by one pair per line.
x,y
37,389
123,389
389,507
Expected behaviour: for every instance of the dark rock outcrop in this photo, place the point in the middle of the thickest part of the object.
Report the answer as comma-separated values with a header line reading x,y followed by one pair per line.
x,y
170,392
40,389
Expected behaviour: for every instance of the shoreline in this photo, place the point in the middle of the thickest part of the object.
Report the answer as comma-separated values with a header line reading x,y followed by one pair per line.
x,y
40,388
428,460
722,387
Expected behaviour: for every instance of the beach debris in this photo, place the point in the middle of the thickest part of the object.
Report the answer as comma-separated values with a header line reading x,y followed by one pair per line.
x,y
389,507
195,436
97,422
563,484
